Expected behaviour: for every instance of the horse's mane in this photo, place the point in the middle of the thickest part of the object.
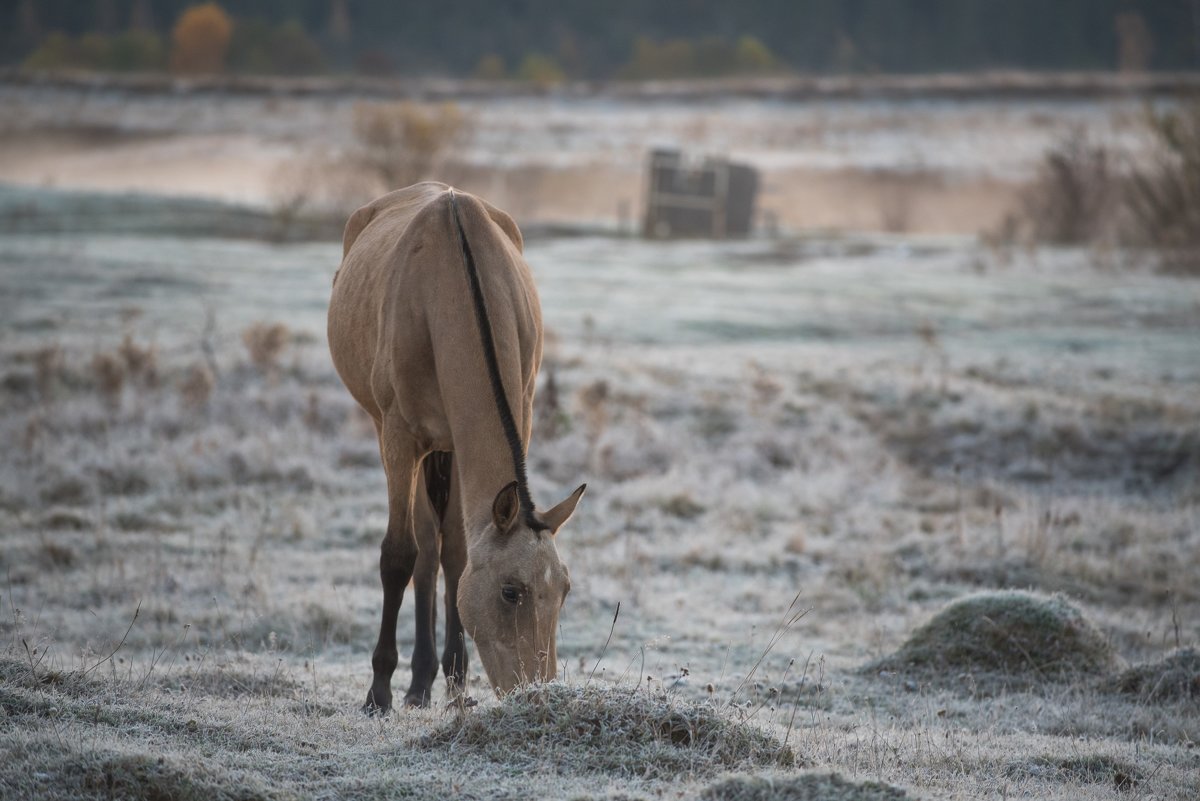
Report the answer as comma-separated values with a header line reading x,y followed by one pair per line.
x,y
493,367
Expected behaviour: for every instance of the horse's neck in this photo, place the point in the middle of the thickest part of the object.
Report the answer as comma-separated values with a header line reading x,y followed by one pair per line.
x,y
482,454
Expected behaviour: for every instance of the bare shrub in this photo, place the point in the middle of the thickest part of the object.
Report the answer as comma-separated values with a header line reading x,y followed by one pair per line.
x,y
1163,196
402,143
197,386
593,399
549,416
108,371
1079,197
141,363
264,343
1075,196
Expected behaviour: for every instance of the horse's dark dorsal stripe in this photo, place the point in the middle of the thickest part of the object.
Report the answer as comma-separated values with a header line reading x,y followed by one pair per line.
x,y
493,368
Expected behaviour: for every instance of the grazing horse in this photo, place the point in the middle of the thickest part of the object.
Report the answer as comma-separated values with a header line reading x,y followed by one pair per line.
x,y
436,330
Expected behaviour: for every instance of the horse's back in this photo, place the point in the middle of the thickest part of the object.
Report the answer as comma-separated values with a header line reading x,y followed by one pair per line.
x,y
402,283
365,283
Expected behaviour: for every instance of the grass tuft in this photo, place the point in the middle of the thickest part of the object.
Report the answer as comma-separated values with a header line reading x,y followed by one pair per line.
x,y
1091,769
595,729
1177,677
1012,634
805,787
265,343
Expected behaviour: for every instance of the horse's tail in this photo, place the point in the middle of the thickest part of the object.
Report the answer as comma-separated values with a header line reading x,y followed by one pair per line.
x,y
437,467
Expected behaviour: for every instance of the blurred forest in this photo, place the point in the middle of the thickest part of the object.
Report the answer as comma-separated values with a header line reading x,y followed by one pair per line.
x,y
551,40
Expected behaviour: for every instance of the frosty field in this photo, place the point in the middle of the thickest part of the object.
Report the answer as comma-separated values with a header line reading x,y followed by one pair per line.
x,y
797,452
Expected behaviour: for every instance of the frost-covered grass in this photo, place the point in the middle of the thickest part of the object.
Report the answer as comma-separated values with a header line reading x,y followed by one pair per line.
x,y
878,425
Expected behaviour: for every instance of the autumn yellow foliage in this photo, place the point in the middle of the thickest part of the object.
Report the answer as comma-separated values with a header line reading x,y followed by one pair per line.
x,y
200,39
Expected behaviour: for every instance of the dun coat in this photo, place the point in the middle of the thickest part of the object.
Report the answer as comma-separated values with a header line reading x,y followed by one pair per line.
x,y
435,328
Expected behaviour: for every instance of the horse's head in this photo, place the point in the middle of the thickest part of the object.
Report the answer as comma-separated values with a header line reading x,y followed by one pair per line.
x,y
512,589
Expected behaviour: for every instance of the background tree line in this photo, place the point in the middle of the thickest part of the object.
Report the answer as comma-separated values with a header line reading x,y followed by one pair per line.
x,y
548,40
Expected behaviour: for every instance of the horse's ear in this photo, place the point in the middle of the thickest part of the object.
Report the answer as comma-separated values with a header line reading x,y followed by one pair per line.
x,y
506,508
554,518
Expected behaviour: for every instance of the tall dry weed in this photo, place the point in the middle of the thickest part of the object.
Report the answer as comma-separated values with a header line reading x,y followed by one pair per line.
x,y
402,143
197,386
1075,197
265,343
1080,197
140,363
1163,196
593,402
108,372
551,420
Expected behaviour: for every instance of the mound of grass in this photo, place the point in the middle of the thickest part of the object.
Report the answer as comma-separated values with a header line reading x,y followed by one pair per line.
x,y
1174,678
596,729
156,777
231,683
17,677
44,768
1012,634
805,787
1093,769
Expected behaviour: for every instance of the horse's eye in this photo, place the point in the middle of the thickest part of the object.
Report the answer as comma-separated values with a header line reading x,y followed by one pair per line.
x,y
510,593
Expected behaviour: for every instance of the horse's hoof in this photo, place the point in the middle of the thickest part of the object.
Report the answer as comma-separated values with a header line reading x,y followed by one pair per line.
x,y
419,700
374,709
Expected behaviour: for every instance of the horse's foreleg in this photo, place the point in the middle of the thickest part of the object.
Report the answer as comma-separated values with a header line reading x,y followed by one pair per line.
x,y
397,557
424,661
454,559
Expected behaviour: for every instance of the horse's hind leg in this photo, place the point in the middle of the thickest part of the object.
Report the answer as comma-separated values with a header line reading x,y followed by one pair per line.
x,y
397,556
424,661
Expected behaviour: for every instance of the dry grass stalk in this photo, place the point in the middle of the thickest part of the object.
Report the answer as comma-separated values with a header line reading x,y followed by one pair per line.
x,y
552,421
197,386
141,363
594,400
265,343
109,373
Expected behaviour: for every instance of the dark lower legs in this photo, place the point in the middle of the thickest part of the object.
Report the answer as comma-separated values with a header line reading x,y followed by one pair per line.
x,y
412,550
424,661
454,559
397,558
